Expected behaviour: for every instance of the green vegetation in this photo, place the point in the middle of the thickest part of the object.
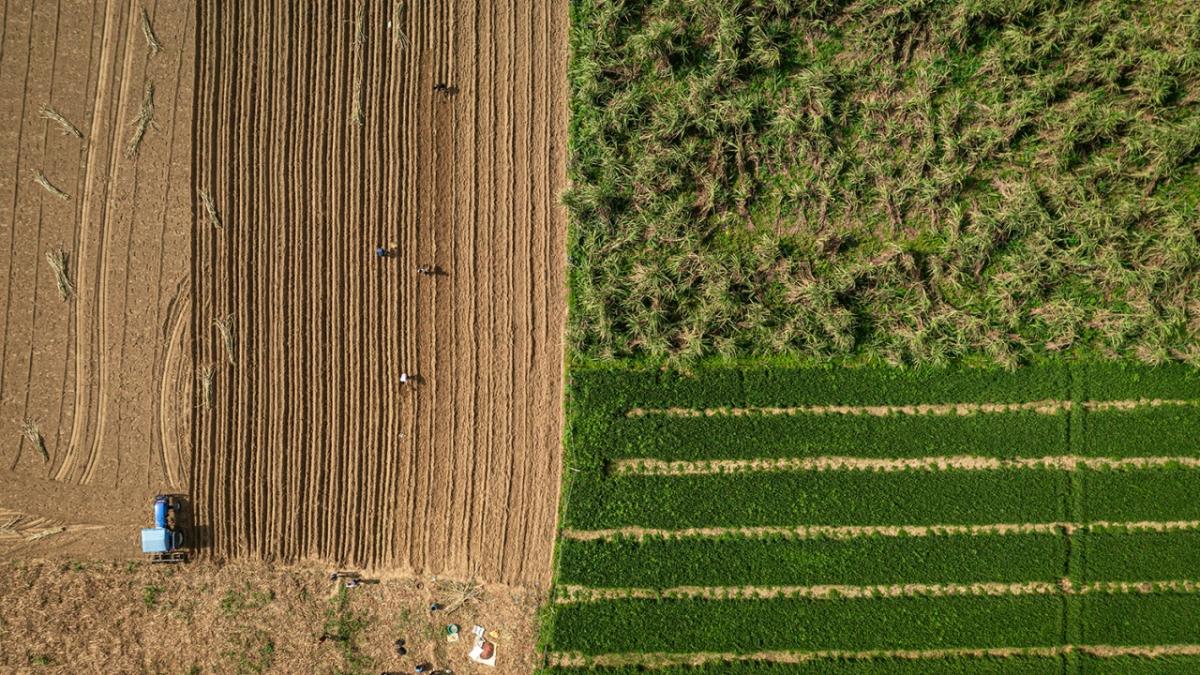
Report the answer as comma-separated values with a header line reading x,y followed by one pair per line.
x,y
342,621
601,430
749,626
234,601
1139,556
782,561
824,498
908,182
765,189
1146,494
1162,619
1014,665
1010,434
150,595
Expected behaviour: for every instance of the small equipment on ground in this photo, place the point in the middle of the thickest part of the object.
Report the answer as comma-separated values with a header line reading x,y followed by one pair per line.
x,y
164,541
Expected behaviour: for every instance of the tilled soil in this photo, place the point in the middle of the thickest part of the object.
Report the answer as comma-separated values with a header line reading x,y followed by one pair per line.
x,y
106,374
321,135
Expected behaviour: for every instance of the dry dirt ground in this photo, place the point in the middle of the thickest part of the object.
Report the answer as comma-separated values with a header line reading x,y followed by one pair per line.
x,y
321,137
117,617
106,375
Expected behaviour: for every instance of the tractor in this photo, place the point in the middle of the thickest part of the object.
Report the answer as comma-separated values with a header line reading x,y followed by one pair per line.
x,y
164,541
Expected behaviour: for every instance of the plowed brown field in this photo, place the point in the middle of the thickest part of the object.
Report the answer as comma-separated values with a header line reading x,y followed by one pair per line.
x,y
320,136
106,374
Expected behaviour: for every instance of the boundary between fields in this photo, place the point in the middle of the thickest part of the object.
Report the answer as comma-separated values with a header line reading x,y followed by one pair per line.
x,y
1044,407
576,594
663,660
645,466
861,531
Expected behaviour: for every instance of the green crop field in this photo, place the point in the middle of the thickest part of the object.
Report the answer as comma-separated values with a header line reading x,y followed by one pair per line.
x,y
1084,548
883,339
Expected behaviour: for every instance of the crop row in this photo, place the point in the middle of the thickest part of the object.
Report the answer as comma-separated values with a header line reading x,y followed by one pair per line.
x,y
751,626
781,561
619,386
868,498
820,498
600,429
707,386
1084,664
1010,434
777,561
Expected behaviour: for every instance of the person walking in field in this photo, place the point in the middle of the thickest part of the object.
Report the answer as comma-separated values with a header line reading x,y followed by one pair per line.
x,y
425,270
403,378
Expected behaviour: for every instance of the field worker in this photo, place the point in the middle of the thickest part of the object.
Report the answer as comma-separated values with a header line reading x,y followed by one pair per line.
x,y
425,269
403,378
352,583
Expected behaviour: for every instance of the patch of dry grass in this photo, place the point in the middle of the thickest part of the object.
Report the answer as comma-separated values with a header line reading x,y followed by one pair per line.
x,y
48,113
210,208
206,387
148,30
143,122
31,432
224,327
58,262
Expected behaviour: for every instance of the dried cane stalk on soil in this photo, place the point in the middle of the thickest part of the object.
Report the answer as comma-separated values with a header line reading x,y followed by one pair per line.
x,y
225,329
58,262
40,179
360,32
398,36
210,207
148,30
53,115
206,390
460,593
29,429
143,122
356,114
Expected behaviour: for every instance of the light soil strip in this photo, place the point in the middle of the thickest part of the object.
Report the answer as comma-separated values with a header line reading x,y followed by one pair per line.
x,y
1045,407
657,467
572,594
663,660
859,531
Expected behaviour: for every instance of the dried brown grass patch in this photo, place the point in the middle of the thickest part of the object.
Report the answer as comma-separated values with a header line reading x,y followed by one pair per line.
x,y
48,113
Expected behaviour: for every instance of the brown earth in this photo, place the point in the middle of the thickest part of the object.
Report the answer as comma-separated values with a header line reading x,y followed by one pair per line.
x,y
105,375
321,137
116,617
319,141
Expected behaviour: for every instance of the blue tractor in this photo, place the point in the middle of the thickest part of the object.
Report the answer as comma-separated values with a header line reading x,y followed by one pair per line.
x,y
164,541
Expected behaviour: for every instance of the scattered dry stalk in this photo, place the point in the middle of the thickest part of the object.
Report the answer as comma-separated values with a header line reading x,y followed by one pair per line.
x,y
148,30
58,262
53,115
206,387
360,32
143,122
356,114
210,207
225,329
40,179
461,593
398,36
29,429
